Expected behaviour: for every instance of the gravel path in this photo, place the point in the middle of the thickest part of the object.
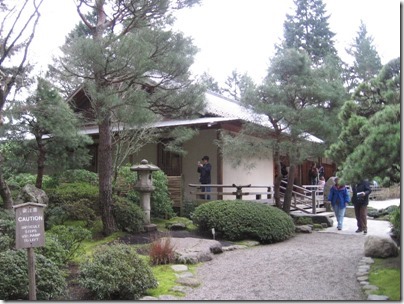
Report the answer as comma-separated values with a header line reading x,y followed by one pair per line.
x,y
316,266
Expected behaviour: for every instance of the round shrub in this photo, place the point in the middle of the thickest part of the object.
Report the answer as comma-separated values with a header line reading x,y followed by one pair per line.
x,y
78,176
65,199
71,238
14,285
128,216
116,272
238,220
7,229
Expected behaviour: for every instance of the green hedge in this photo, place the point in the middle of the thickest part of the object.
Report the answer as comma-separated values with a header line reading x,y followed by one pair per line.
x,y
14,285
238,220
116,272
75,201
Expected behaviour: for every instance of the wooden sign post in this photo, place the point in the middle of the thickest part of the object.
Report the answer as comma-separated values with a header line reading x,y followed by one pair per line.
x,y
30,233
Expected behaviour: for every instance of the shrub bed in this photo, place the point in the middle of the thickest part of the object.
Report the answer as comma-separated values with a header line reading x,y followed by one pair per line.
x,y
116,273
14,285
239,220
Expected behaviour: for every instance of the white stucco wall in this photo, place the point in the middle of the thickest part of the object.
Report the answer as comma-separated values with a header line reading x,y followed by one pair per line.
x,y
260,175
199,146
203,144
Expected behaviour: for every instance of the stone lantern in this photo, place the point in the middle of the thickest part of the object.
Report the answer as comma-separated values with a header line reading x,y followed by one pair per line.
x,y
145,186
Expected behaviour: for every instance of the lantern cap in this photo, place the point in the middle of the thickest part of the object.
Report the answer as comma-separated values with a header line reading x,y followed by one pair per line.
x,y
144,166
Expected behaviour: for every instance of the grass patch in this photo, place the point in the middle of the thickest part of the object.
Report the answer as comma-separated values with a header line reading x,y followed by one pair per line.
x,y
166,278
386,274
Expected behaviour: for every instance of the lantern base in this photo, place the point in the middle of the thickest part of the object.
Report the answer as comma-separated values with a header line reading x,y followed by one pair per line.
x,y
150,227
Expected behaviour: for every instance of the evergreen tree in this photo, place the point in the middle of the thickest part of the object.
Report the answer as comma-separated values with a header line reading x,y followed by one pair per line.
x,y
308,29
292,97
17,31
367,63
369,143
51,122
132,66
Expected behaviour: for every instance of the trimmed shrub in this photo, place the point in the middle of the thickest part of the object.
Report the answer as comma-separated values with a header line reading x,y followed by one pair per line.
x,y
54,250
7,230
14,285
128,216
238,220
189,208
81,210
18,181
395,220
71,238
161,204
72,201
79,176
116,273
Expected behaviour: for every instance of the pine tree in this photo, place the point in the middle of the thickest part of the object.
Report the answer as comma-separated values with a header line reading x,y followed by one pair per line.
x,y
308,29
131,65
367,63
369,143
54,127
18,26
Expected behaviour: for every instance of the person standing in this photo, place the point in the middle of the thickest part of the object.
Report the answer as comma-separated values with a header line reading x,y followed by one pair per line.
x,y
360,200
327,187
204,170
339,198
313,174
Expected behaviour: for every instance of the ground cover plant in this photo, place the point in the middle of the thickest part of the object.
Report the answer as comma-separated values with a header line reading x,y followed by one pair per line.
x,y
386,274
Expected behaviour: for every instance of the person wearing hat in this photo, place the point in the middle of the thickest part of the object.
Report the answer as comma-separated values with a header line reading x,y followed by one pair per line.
x,y
339,198
204,170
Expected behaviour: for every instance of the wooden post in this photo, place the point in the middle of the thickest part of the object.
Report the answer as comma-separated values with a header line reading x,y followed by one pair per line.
x,y
313,201
31,274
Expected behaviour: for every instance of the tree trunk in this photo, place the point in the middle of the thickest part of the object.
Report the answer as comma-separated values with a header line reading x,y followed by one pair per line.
x,y
287,201
105,177
278,179
40,163
5,192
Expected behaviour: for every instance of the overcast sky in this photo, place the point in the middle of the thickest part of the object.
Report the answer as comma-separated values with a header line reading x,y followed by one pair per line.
x,y
240,34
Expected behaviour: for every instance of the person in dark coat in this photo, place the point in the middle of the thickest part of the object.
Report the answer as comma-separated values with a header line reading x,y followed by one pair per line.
x,y
204,170
360,200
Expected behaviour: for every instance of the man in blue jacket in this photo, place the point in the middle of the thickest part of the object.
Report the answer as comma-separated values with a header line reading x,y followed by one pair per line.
x,y
339,198
360,200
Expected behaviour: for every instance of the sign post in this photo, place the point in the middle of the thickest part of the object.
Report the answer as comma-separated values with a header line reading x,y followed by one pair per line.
x,y
30,233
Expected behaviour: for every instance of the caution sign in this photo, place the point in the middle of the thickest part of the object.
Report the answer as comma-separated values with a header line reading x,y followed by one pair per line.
x,y
30,230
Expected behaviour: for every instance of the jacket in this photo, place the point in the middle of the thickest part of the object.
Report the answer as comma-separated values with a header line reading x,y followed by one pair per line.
x,y
363,186
205,173
339,193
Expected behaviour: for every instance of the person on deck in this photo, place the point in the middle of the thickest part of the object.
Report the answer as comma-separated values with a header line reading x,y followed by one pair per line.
x,y
339,198
204,170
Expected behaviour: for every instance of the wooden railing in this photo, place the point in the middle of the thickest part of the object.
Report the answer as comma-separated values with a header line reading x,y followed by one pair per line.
x,y
307,199
304,198
237,191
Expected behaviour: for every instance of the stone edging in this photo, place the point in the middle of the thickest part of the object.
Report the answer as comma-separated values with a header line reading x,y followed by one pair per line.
x,y
363,278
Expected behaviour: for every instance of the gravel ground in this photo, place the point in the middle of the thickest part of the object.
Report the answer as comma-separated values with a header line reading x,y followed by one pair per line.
x,y
316,266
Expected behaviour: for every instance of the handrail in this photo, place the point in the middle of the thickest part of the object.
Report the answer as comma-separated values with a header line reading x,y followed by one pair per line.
x,y
239,191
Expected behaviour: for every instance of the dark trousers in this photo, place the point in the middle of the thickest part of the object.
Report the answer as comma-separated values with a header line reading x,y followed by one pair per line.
x,y
361,213
205,189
